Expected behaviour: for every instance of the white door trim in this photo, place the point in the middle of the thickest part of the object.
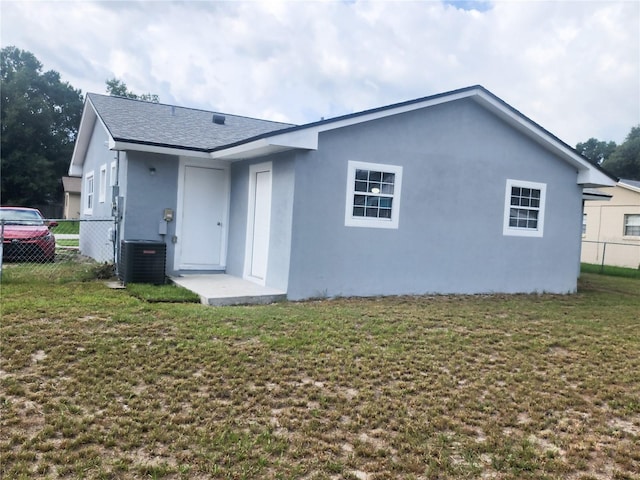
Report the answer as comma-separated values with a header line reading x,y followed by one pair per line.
x,y
202,163
251,212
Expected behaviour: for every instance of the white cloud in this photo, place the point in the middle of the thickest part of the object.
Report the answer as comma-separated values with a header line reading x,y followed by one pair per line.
x,y
573,67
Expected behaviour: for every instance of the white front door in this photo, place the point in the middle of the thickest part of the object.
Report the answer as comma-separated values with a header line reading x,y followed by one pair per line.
x,y
201,240
258,222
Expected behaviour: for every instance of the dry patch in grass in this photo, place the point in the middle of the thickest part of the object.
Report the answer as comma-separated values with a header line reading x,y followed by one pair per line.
x,y
99,384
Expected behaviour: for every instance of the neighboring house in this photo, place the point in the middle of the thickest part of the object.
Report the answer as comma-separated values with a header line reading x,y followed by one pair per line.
x,y
611,227
452,193
71,187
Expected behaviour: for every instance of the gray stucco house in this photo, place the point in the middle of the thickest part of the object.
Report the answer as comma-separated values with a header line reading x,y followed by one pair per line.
x,y
451,193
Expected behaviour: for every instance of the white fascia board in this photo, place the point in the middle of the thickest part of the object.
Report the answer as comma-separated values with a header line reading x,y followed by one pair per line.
x,y
140,147
304,139
594,178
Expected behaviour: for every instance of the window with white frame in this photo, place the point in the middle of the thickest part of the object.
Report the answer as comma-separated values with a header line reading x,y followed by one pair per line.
x,y
113,174
632,225
584,224
373,195
88,193
103,183
524,208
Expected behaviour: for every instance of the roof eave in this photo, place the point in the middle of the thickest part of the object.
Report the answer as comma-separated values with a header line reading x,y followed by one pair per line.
x,y
136,146
623,184
293,139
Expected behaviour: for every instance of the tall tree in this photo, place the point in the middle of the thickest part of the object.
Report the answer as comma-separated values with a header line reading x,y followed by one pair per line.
x,y
595,150
118,88
624,162
40,119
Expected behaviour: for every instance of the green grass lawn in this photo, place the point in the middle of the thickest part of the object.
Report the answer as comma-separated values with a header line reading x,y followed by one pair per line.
x,y
100,383
67,227
610,270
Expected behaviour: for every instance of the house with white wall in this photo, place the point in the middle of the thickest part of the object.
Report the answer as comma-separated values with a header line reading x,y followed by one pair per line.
x,y
611,227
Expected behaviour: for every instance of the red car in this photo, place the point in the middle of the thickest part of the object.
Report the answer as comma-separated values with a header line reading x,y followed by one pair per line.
x,y
26,235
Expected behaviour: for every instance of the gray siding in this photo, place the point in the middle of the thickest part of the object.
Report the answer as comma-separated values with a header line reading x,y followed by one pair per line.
x,y
456,159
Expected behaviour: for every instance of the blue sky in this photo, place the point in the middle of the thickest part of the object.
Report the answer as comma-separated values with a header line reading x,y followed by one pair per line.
x,y
573,67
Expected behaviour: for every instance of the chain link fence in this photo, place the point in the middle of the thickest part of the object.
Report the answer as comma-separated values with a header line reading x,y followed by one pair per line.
x,y
79,245
615,254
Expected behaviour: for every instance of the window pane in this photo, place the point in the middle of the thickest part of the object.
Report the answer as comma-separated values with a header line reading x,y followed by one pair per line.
x,y
372,212
385,213
515,191
362,174
535,193
524,202
358,211
372,201
361,186
389,177
535,203
375,176
526,192
358,199
374,187
387,189
385,202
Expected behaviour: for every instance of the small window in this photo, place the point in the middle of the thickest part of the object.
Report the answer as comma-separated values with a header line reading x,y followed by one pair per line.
x,y
584,224
113,174
88,193
103,184
524,208
373,195
632,225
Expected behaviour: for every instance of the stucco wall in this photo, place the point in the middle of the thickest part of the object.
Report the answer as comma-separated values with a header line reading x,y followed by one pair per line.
x,y
95,237
456,160
605,224
282,198
152,181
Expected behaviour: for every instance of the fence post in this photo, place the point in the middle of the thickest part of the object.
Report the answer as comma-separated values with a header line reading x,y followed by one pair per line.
x,y
604,250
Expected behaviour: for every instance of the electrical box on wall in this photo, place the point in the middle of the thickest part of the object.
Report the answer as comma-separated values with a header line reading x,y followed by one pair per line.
x,y
168,214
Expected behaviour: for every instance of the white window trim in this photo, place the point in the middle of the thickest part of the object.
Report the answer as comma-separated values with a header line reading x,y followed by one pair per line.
x,y
349,219
520,231
89,195
103,183
114,172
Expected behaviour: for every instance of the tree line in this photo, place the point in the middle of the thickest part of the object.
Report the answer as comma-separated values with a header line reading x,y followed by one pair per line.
x,y
41,116
38,127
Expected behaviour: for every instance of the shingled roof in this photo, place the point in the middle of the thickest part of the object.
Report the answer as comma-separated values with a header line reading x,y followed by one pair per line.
x,y
136,121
